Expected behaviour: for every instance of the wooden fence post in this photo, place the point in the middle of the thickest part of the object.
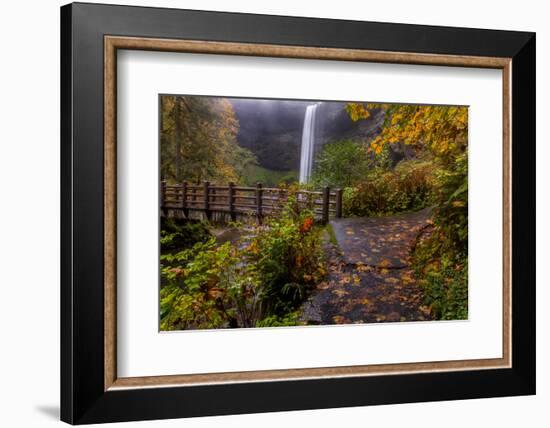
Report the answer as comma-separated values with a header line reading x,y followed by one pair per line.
x,y
184,199
162,197
326,200
206,185
259,202
338,203
212,201
231,200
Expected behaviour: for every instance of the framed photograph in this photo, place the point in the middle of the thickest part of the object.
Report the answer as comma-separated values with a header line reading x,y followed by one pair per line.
x,y
266,213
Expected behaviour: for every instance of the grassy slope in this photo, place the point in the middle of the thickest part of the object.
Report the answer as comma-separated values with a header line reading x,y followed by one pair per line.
x,y
268,177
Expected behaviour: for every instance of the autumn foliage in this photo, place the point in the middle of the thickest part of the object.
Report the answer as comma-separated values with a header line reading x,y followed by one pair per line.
x,y
260,280
439,130
437,136
417,159
199,140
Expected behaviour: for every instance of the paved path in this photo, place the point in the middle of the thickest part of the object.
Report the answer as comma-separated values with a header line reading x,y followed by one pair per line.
x,y
370,279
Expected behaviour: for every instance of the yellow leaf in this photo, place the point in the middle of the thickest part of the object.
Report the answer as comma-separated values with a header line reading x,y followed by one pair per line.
x,y
338,319
346,279
406,278
339,292
323,285
363,268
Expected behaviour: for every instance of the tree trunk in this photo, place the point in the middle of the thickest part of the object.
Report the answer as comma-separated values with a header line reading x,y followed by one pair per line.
x,y
178,137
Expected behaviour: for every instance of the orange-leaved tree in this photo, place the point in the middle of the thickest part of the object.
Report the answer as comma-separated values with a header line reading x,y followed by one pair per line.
x,y
439,130
438,134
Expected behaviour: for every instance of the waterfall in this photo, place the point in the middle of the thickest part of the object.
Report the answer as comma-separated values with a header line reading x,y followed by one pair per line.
x,y
308,141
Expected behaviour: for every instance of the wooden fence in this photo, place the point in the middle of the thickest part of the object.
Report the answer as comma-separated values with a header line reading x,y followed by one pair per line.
x,y
235,202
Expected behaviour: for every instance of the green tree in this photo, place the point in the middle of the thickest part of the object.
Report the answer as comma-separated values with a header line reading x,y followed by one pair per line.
x,y
340,164
441,131
199,140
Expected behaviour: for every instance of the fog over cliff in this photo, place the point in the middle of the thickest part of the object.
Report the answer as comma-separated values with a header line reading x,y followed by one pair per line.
x,y
272,129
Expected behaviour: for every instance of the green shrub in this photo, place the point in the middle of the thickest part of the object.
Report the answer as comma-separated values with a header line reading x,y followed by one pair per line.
x,y
210,288
258,281
287,253
287,320
268,177
340,164
446,291
440,257
451,212
449,237
178,234
408,187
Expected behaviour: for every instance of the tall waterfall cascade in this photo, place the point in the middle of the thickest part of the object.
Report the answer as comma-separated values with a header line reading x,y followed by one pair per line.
x,y
308,141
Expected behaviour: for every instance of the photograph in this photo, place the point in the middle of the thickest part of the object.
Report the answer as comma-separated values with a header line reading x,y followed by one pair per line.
x,y
288,212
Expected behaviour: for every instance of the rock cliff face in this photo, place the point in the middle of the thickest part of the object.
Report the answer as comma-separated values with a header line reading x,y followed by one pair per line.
x,y
272,129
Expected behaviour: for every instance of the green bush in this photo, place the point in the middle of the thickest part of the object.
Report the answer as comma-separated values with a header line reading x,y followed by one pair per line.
x,y
340,164
259,281
268,177
440,257
178,234
206,287
408,187
287,320
449,237
446,291
287,253
451,212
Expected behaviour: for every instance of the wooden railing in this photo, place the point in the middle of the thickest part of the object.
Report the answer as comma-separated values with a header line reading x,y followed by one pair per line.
x,y
238,201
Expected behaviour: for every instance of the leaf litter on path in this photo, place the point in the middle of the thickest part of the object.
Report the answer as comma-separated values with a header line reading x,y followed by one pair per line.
x,y
369,278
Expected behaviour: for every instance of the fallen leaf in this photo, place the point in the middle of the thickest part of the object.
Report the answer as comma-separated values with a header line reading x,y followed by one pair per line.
x,y
323,285
363,268
407,278
346,279
425,310
338,319
339,292
384,263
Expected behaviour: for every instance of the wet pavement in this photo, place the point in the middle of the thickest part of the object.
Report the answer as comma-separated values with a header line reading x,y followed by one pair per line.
x,y
369,275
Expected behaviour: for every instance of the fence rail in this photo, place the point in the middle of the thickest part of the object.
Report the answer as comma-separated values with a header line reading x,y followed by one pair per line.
x,y
237,201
